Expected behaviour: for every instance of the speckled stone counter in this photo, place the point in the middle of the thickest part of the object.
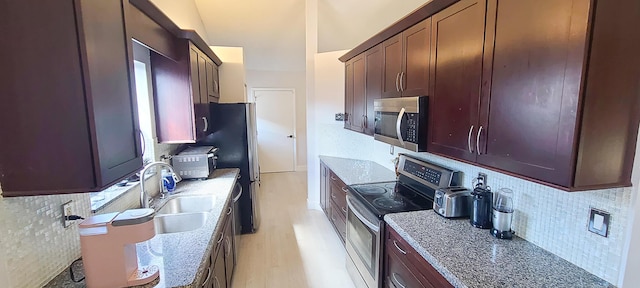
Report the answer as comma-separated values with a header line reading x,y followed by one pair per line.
x,y
352,171
180,256
471,257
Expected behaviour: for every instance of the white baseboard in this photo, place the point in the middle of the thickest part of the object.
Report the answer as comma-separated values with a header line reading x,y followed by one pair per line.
x,y
301,168
314,205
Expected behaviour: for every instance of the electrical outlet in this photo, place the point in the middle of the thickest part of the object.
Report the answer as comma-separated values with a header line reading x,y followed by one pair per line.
x,y
599,222
66,211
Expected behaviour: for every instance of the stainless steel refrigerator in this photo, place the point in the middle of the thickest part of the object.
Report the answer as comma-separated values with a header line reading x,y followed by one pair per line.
x,y
234,133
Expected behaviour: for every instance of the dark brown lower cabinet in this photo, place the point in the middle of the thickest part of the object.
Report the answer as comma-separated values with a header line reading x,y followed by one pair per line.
x,y
228,245
404,267
333,193
221,263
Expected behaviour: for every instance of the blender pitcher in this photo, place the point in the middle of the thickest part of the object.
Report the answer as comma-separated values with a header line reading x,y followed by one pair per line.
x,y
503,214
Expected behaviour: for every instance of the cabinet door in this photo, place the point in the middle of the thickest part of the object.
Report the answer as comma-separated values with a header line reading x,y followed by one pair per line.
x,y
194,59
212,82
205,281
348,94
398,274
203,107
218,277
414,80
456,70
358,110
529,122
392,53
373,64
229,261
323,187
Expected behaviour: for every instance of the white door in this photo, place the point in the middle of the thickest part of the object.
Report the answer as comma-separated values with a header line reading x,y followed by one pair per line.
x,y
275,113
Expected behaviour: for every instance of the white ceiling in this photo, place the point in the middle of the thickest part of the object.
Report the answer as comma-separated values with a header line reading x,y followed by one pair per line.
x,y
271,32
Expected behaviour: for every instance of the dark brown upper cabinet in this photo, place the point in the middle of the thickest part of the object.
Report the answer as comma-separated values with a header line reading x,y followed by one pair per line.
x,y
213,81
373,90
181,95
406,62
560,100
456,73
355,102
69,108
542,90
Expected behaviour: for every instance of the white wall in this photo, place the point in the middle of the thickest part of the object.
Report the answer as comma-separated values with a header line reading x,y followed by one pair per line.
x,y
184,13
343,24
232,74
629,276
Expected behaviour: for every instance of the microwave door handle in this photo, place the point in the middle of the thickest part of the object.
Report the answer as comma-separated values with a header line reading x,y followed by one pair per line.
x,y
398,126
361,218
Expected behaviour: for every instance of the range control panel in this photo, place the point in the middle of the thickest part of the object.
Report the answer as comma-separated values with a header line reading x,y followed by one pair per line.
x,y
425,173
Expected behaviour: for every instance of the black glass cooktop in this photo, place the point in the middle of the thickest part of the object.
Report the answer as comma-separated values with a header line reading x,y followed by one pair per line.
x,y
391,197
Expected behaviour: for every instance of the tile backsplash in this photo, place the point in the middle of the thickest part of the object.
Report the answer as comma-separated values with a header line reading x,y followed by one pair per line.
x,y
552,219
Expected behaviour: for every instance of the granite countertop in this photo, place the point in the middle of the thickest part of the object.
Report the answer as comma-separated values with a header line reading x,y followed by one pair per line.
x,y
180,256
352,171
471,257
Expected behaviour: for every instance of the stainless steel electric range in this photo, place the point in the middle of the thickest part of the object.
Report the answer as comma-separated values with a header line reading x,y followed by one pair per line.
x,y
368,203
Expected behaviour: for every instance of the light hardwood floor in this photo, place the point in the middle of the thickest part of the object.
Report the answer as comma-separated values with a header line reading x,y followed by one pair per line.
x,y
294,246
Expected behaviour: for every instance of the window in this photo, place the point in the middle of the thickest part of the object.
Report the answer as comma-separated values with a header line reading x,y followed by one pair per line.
x,y
145,110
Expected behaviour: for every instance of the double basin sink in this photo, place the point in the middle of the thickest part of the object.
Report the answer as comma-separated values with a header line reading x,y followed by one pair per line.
x,y
183,214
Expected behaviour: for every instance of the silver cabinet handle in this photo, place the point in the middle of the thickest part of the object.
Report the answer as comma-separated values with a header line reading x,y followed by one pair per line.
x,y
333,196
220,240
397,76
144,142
344,189
469,139
206,280
343,210
401,76
398,247
478,141
206,124
398,124
365,121
228,246
395,279
333,178
217,282
230,210
239,194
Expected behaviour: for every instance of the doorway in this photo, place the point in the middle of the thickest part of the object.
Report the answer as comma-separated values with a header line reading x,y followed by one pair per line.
x,y
276,126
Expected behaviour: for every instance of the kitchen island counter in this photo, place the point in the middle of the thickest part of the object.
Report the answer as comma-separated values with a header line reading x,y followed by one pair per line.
x,y
471,257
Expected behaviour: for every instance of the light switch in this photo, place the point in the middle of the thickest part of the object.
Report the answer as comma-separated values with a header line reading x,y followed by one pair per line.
x,y
599,222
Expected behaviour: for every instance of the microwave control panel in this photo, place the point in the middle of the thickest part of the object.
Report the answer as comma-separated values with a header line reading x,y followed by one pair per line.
x,y
411,128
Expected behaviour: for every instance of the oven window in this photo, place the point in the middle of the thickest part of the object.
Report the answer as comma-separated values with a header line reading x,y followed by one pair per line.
x,y
363,241
386,124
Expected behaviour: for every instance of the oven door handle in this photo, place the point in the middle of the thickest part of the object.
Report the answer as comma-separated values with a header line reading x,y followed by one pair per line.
x,y
399,125
361,217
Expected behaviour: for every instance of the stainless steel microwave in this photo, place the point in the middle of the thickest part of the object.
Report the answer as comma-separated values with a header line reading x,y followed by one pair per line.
x,y
402,122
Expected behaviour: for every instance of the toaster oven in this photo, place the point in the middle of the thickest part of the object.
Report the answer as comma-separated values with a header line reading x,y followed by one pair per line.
x,y
195,162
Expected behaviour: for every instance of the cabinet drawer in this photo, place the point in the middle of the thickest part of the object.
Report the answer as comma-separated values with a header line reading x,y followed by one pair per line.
x,y
338,221
398,275
339,199
397,247
335,180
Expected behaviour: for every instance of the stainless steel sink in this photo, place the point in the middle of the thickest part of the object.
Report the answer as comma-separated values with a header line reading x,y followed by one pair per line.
x,y
188,204
183,222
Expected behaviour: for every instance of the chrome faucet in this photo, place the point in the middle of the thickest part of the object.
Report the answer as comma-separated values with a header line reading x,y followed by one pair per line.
x,y
144,198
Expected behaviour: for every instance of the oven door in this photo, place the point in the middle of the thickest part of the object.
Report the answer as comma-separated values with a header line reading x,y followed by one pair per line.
x,y
364,242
